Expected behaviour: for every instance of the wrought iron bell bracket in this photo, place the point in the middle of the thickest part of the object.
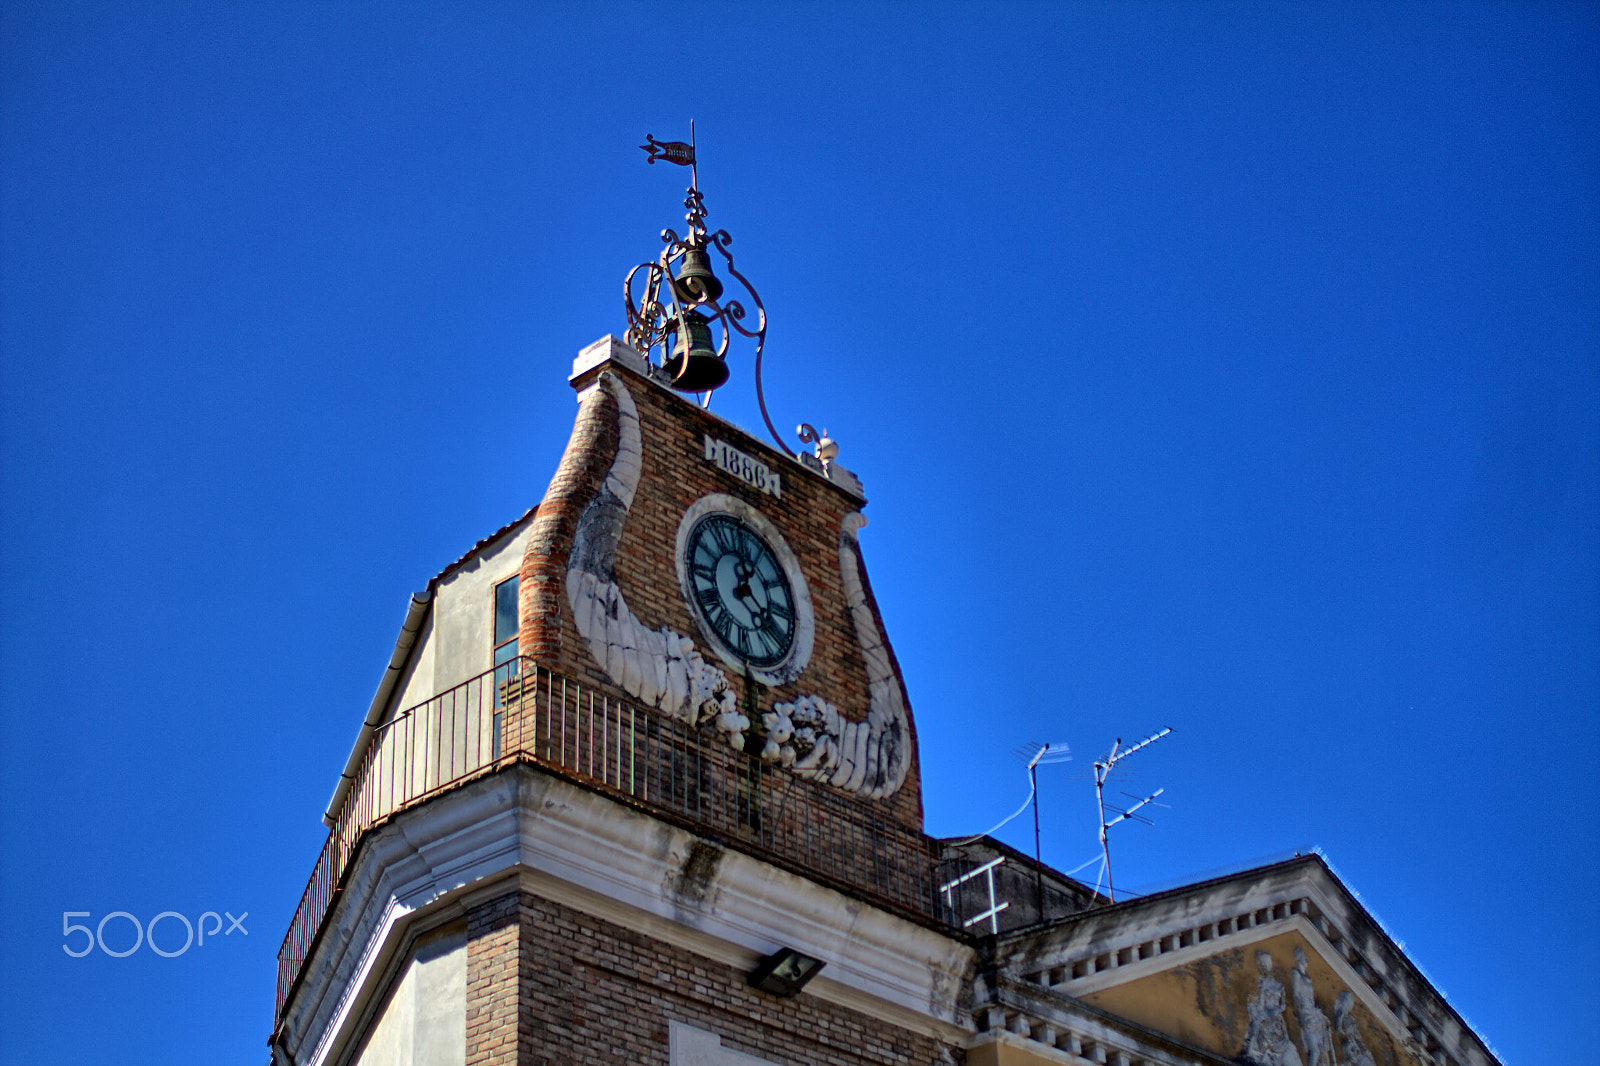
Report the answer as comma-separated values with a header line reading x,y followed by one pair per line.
x,y
675,302
680,283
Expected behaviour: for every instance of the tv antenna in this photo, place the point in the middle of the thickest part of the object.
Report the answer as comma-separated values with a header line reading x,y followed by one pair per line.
x,y
1035,753
1102,770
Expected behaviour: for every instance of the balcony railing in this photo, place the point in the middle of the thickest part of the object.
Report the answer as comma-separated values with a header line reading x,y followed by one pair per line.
x,y
633,754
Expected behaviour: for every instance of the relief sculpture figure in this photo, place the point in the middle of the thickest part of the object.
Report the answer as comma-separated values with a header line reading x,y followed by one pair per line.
x,y
1316,1035
1344,1022
1268,1043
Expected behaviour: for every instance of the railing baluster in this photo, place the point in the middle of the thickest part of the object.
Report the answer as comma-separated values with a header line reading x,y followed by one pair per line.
x,y
671,766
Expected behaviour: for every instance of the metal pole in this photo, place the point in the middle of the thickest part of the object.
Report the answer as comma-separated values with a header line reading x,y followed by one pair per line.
x,y
1038,862
1100,771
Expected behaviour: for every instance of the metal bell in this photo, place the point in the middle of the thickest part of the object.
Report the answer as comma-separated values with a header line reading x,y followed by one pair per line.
x,y
694,363
695,282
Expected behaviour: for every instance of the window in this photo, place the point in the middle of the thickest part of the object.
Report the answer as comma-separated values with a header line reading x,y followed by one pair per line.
x,y
505,635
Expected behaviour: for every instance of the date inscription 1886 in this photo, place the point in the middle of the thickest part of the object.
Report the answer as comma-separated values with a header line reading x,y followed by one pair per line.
x,y
744,467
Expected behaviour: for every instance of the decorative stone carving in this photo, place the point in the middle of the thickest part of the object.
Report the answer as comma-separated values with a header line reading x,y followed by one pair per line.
x,y
658,667
1268,1043
1344,1023
803,735
880,747
662,668
809,736
1316,1035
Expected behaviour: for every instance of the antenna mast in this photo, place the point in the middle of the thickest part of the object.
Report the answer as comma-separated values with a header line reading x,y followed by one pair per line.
x,y
1102,770
1036,753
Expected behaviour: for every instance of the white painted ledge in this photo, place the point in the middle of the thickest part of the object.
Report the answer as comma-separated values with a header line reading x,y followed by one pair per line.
x,y
524,828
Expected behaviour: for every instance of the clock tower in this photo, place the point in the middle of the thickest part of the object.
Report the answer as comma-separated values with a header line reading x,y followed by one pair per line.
x,y
640,785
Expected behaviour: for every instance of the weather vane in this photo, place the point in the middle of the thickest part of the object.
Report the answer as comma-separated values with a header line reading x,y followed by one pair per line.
x,y
676,302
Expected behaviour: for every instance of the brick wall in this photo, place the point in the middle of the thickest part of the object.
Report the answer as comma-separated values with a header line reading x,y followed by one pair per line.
x,y
675,474
594,993
542,610
492,986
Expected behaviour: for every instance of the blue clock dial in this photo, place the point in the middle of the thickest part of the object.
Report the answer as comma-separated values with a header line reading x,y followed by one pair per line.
x,y
740,590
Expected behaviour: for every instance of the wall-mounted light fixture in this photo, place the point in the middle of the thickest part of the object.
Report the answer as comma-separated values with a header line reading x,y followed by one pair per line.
x,y
784,972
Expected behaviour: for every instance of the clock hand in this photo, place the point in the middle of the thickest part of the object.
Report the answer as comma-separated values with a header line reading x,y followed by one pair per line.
x,y
743,571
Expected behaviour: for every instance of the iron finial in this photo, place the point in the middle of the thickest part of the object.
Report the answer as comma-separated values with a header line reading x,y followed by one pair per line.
x,y
676,303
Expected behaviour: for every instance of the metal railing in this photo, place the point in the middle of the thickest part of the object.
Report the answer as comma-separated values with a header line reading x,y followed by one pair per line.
x,y
687,776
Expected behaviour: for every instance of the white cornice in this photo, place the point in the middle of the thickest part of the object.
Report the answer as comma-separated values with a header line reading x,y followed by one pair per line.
x,y
1117,945
565,843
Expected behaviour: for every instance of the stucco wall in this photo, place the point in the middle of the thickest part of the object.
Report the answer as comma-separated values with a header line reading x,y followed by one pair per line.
x,y
457,642
424,1020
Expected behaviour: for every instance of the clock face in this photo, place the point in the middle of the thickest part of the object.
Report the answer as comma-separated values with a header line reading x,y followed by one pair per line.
x,y
736,584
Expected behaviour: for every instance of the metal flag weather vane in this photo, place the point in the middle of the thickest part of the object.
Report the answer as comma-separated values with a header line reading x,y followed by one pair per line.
x,y
676,303
670,151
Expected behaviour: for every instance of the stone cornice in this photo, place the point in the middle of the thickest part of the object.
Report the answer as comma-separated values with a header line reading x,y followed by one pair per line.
x,y
1059,1028
522,827
1113,945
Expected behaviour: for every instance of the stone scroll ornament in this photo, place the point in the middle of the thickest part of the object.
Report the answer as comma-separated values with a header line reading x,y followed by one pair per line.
x,y
662,668
810,737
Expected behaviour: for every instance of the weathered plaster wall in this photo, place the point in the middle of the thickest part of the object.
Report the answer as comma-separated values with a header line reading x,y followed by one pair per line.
x,y
417,683
464,610
424,1020
457,642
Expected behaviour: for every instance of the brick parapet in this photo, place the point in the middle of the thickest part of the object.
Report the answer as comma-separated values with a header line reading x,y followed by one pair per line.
x,y
810,513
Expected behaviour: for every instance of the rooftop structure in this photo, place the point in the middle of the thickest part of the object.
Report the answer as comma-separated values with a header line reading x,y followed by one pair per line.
x,y
641,785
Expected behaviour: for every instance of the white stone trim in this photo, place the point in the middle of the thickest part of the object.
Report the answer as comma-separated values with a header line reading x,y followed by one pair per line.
x,y
608,349
1143,951
1099,952
1075,1037
587,851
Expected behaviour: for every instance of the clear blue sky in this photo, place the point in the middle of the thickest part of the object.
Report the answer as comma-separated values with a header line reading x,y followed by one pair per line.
x,y
1231,367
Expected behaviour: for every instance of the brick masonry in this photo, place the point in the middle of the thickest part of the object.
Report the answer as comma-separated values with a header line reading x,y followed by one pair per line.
x,y
675,474
592,992
493,1034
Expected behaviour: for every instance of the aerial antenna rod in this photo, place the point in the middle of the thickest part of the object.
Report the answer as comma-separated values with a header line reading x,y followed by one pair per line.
x,y
1129,812
1053,752
1056,751
1102,770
